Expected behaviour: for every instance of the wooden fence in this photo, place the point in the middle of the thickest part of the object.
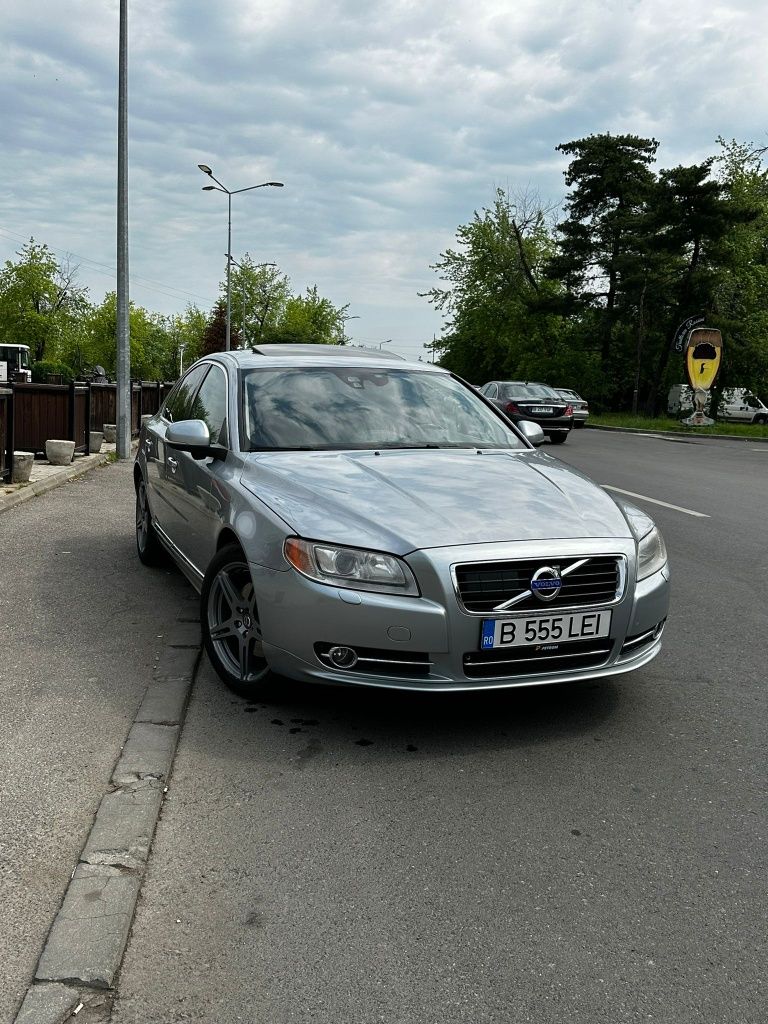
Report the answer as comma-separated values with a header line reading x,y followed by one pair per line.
x,y
31,414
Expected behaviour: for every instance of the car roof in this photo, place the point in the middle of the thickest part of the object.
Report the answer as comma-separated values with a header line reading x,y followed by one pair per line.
x,y
318,355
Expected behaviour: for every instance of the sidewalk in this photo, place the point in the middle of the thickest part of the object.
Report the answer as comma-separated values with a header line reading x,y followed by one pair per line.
x,y
86,629
45,477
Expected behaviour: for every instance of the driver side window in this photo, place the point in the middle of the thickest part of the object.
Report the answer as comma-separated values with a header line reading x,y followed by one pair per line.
x,y
179,405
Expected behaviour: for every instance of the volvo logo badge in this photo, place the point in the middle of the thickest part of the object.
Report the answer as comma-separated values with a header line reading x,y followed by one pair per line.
x,y
546,582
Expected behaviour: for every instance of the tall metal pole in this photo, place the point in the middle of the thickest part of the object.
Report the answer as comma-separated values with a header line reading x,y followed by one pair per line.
x,y
229,269
123,397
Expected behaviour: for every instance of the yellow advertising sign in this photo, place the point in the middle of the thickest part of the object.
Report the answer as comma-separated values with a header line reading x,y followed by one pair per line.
x,y
703,354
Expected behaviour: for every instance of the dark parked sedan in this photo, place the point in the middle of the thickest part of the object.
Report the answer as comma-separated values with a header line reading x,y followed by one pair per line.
x,y
526,400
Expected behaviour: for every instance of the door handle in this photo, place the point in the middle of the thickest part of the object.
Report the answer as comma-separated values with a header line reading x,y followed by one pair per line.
x,y
148,444
173,463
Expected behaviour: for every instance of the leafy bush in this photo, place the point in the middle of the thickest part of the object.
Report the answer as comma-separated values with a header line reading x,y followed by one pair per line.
x,y
44,367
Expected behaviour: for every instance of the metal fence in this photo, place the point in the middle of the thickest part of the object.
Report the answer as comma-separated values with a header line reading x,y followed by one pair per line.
x,y
31,414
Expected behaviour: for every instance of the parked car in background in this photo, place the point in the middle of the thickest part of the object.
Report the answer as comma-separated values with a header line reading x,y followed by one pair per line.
x,y
349,518
579,404
529,400
737,405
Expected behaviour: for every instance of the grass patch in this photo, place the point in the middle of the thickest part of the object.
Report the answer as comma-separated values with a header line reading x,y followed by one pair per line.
x,y
666,423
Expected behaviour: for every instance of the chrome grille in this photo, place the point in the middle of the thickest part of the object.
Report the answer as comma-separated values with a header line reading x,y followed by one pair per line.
x,y
483,586
523,661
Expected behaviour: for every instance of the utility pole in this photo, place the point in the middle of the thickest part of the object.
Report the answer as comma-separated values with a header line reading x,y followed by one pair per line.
x,y
123,390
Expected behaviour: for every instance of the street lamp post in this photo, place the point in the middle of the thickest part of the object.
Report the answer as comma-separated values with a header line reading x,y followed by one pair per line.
x,y
344,329
387,342
218,187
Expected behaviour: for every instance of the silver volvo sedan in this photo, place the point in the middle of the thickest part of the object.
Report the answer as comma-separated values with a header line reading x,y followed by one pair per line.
x,y
352,518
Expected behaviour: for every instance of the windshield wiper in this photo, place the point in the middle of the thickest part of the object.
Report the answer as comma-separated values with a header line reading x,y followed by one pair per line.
x,y
409,447
292,448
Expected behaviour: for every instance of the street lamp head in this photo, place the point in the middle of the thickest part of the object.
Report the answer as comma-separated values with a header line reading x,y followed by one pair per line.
x,y
275,184
210,188
205,169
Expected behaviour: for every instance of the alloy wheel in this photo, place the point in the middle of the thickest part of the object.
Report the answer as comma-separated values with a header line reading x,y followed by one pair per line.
x,y
233,623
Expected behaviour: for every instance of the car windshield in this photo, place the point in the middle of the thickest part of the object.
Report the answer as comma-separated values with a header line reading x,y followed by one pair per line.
x,y
528,391
314,408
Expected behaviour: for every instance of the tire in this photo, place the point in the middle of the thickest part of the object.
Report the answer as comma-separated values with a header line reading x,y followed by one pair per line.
x,y
759,420
148,546
559,438
579,424
230,624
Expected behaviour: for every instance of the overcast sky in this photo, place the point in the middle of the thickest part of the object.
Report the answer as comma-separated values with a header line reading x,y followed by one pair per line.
x,y
389,122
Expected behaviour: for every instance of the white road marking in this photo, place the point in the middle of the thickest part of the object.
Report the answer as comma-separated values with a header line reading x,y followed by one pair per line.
x,y
656,501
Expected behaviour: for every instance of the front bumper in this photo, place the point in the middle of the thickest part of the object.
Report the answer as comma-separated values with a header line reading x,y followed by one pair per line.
x,y
426,643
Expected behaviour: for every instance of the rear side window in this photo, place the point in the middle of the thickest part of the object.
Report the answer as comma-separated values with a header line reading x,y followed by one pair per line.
x,y
180,403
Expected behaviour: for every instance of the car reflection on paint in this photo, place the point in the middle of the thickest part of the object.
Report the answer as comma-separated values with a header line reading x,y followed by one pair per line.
x,y
351,518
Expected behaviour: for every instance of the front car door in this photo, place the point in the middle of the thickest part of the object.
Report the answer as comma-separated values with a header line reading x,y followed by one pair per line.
x,y
162,463
199,501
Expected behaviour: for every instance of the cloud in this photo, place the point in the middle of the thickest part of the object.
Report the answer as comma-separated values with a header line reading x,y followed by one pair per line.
x,y
389,124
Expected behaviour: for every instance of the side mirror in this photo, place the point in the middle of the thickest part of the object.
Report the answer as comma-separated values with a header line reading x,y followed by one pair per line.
x,y
531,432
192,436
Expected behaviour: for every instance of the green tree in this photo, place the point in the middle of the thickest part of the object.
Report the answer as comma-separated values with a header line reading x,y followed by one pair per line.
x,y
186,331
310,319
259,294
610,184
741,292
152,342
41,304
495,297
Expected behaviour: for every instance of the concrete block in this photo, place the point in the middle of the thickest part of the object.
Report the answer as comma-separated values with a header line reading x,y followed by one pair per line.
x,y
164,701
176,662
124,825
89,934
148,751
48,1004
184,634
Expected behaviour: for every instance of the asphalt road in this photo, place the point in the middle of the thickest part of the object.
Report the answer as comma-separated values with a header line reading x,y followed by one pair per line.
x,y
592,854
80,623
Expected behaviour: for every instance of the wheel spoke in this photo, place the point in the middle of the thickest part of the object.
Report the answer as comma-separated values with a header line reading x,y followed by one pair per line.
x,y
223,630
228,589
245,657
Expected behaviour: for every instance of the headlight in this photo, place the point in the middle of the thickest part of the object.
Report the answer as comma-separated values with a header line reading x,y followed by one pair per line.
x,y
651,552
350,567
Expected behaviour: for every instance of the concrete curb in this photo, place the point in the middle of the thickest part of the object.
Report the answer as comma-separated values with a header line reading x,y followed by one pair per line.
x,y
675,433
75,976
80,466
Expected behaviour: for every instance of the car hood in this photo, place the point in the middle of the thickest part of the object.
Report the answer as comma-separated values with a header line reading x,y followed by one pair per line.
x,y
400,501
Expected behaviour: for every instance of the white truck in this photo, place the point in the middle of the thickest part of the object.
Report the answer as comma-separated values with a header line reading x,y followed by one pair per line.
x,y
737,405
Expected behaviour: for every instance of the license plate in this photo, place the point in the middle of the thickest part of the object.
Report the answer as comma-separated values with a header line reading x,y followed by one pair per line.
x,y
543,410
539,629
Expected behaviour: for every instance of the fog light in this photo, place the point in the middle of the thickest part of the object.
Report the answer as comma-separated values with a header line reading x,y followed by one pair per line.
x,y
342,657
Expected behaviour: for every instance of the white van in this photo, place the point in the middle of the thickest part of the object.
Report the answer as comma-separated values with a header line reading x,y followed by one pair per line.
x,y
737,405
